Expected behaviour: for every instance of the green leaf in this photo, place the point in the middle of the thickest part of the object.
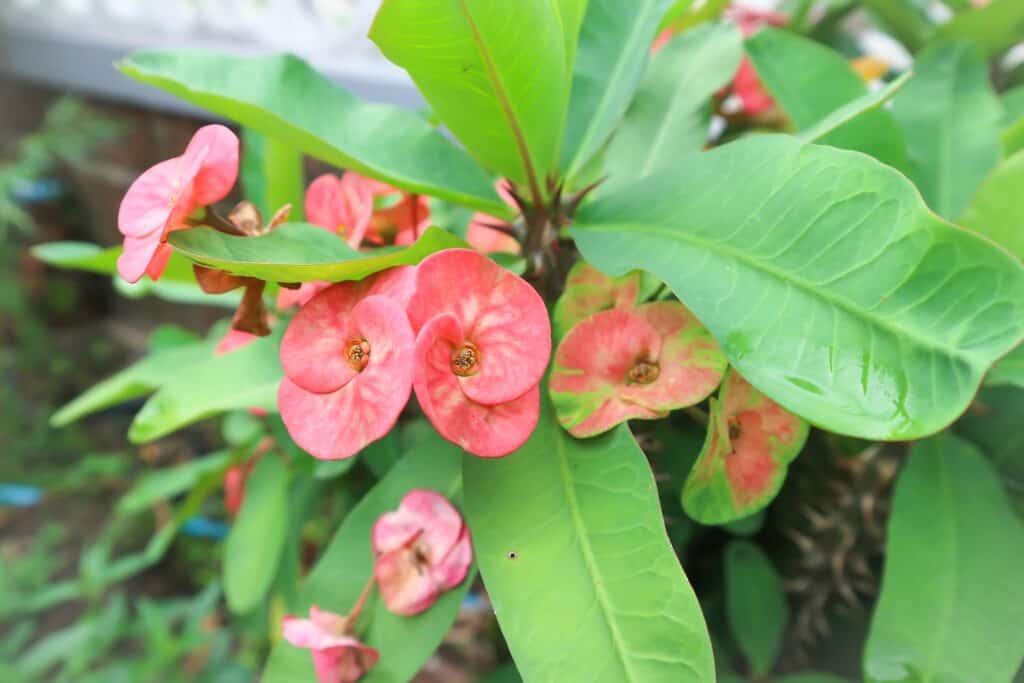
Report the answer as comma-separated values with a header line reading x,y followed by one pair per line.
x,y
494,72
272,174
755,605
244,378
144,377
405,643
993,28
614,43
572,547
506,674
827,282
950,608
905,21
300,252
995,211
253,548
671,113
951,119
283,97
1013,138
993,424
864,104
1008,371
810,677
749,445
811,81
169,482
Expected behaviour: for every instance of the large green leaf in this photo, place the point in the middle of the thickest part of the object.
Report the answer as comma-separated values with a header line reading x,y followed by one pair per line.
x,y
826,281
144,377
995,210
572,547
283,97
670,115
1008,371
253,548
810,81
951,119
300,252
993,425
244,378
755,604
615,41
993,28
952,601
404,643
494,72
864,104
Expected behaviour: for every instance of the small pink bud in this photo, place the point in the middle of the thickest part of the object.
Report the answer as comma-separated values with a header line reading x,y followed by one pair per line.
x,y
162,197
422,550
337,656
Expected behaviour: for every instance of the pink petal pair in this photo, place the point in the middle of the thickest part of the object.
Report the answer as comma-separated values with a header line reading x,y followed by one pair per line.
x,y
337,656
631,363
162,198
422,550
348,364
483,343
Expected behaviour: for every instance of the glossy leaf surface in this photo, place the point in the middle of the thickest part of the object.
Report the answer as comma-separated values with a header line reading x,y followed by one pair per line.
x,y
405,643
825,280
257,537
755,604
272,175
494,73
951,602
300,252
614,43
864,104
951,119
572,547
810,81
671,113
283,97
750,443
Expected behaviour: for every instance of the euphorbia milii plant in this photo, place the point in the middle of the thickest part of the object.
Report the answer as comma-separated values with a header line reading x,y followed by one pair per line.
x,y
530,306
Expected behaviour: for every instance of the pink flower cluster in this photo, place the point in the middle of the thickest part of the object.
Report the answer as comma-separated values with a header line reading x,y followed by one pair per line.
x,y
470,338
421,550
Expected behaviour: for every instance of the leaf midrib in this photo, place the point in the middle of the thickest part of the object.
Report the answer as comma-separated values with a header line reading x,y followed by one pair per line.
x,y
588,555
807,287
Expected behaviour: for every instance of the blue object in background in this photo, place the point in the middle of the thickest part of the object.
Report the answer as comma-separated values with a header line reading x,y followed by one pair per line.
x,y
18,495
204,527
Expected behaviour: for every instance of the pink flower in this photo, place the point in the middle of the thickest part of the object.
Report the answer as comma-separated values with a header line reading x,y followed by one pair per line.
x,y
232,340
337,656
341,205
486,239
633,363
746,83
588,290
161,199
403,221
422,550
483,342
347,359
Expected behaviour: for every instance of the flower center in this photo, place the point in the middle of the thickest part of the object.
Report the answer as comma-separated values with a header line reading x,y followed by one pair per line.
x,y
644,372
466,360
734,428
357,353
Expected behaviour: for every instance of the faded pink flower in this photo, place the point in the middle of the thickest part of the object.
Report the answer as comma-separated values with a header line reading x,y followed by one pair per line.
x,y
161,199
422,550
624,364
341,205
746,83
483,343
486,239
347,359
337,656
403,221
